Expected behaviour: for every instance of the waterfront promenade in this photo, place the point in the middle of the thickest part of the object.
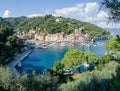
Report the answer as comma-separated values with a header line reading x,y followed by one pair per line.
x,y
18,58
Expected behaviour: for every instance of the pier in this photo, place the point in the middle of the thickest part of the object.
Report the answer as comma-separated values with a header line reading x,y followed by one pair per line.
x,y
16,61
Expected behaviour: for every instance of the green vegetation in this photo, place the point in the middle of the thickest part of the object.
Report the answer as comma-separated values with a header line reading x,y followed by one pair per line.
x,y
51,24
9,44
113,44
95,80
118,56
58,67
91,57
74,58
26,83
101,62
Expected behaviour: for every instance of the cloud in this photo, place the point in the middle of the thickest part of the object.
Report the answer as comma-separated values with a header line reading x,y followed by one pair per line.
x,y
87,12
34,15
72,12
6,14
91,9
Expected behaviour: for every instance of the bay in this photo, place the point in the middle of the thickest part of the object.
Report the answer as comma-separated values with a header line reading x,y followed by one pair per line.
x,y
42,59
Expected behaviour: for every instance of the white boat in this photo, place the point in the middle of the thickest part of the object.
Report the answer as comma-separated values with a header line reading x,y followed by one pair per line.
x,y
94,45
51,44
62,44
19,64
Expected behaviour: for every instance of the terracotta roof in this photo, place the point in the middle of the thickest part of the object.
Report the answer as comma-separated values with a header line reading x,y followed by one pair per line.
x,y
75,76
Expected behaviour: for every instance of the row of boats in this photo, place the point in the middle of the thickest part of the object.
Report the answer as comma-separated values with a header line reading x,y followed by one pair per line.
x,y
62,44
44,46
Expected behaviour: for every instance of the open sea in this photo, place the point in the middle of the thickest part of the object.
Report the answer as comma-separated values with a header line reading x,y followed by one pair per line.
x,y
42,59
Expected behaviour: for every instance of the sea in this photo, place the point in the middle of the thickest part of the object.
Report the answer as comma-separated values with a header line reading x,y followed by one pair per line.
x,y
43,59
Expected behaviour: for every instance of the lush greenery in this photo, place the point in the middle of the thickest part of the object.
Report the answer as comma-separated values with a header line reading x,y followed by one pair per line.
x,y
58,67
26,83
113,44
9,43
96,80
51,24
106,79
74,58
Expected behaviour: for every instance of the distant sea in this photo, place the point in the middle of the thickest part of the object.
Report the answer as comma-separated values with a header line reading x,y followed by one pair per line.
x,y
114,31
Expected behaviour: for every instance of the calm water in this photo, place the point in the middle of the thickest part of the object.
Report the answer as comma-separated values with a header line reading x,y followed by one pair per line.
x,y
42,59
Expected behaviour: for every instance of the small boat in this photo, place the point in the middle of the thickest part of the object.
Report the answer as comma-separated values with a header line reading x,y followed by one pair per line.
x,y
62,44
19,64
94,45
44,47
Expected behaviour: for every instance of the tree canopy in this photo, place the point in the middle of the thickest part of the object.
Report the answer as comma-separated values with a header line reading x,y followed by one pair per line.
x,y
51,24
113,9
9,43
113,44
73,58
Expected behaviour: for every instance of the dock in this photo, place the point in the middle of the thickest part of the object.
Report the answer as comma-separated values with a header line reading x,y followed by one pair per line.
x,y
18,59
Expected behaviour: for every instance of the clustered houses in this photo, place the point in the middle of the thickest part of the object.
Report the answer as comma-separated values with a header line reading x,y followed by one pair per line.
x,y
76,37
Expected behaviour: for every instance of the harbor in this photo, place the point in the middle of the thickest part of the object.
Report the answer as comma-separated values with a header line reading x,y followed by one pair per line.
x,y
17,62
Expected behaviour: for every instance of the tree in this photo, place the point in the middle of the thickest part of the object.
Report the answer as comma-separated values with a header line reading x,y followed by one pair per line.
x,y
90,57
113,44
95,80
118,56
7,80
101,62
73,58
57,67
115,81
113,8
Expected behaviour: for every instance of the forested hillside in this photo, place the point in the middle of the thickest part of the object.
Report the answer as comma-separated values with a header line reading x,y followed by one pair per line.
x,y
51,24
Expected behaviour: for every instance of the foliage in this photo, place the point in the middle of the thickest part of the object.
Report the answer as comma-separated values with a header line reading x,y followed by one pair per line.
x,y
101,62
115,81
57,67
9,43
73,58
38,83
49,24
118,56
93,81
113,44
26,83
90,57
6,79
113,8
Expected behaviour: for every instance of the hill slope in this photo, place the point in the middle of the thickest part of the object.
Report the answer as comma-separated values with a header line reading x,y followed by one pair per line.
x,y
51,24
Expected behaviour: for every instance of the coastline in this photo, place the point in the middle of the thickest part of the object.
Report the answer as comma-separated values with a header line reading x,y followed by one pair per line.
x,y
18,58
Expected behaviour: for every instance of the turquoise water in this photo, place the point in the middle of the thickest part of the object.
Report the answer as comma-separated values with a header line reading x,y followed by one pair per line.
x,y
42,59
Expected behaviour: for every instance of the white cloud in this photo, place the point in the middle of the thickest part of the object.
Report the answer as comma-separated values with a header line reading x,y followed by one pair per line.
x,y
87,12
6,14
34,15
91,9
72,12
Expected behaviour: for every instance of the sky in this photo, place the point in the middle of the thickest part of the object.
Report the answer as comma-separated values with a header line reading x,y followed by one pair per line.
x,y
83,10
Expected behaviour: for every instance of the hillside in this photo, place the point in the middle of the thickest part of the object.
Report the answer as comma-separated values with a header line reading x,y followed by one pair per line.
x,y
51,24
